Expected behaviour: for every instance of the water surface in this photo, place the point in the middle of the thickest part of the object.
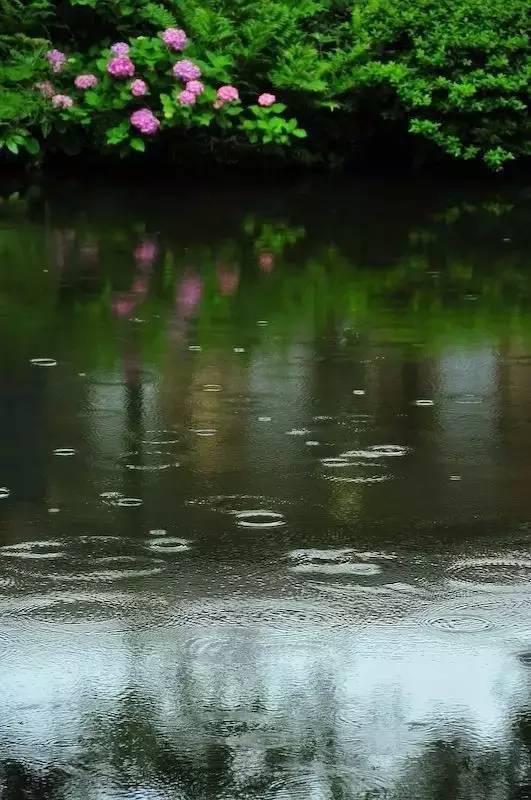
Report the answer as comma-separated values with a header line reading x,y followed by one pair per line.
x,y
264,493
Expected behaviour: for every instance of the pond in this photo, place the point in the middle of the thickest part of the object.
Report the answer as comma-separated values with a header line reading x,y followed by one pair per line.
x,y
265,508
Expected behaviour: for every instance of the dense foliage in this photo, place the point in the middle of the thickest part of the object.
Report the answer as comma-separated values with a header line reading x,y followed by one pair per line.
x,y
312,80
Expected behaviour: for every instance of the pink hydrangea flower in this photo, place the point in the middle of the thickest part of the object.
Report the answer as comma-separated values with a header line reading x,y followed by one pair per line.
x,y
85,81
46,88
120,49
121,67
266,100
266,261
175,38
138,88
196,87
56,59
228,94
146,252
145,121
187,98
62,101
186,70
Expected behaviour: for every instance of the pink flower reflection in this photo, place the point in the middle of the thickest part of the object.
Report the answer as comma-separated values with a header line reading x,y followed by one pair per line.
x,y
189,293
228,279
266,261
123,305
146,252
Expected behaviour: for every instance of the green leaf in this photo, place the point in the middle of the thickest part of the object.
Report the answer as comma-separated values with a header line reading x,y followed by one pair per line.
x,y
138,144
32,146
12,146
278,108
300,133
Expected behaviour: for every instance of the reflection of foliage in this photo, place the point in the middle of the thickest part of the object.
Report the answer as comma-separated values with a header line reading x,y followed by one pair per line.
x,y
272,236
435,286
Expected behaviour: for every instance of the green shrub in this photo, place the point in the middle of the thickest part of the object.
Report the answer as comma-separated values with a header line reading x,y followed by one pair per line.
x,y
455,75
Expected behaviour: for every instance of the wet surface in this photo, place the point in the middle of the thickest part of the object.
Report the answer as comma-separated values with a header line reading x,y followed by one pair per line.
x,y
265,508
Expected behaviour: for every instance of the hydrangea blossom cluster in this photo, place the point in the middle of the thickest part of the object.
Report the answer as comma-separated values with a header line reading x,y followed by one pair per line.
x,y
187,98
46,88
120,49
175,38
265,100
196,87
121,67
85,81
186,70
56,59
62,101
226,94
145,121
138,88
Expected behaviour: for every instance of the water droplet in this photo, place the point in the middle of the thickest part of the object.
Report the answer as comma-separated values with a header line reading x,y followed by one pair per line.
x,y
461,623
195,348
204,431
64,451
340,568
127,502
264,419
312,443
4,492
359,392
312,554
335,462
54,510
423,402
239,349
298,432
82,374
34,550
110,495
262,322
212,387
168,544
260,519
158,532
455,477
43,362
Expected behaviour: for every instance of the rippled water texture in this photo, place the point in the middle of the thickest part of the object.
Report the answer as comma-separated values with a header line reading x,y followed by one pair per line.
x,y
265,510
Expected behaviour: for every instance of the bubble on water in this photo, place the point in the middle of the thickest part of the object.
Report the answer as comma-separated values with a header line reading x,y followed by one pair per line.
x,y
4,492
127,502
359,392
260,518
323,418
212,387
264,419
204,431
168,544
64,451
423,402
34,550
455,477
82,374
239,349
298,432
341,568
54,510
43,362
262,322
195,348
312,443
158,532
